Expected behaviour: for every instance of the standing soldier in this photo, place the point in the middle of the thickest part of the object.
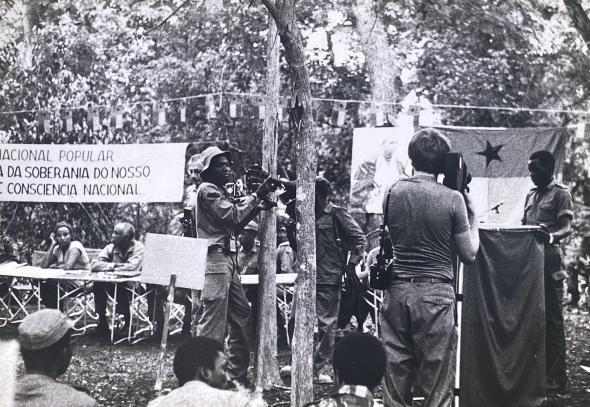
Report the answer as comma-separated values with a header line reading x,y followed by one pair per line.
x,y
550,206
224,306
340,244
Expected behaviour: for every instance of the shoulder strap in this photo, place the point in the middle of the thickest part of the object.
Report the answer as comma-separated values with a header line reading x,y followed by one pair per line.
x,y
382,229
336,226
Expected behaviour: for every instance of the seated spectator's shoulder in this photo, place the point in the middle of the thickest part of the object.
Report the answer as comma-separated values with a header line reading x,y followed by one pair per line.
x,y
137,244
44,391
109,248
76,244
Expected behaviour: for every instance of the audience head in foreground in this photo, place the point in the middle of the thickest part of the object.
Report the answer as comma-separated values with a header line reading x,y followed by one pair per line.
x,y
44,338
200,366
359,365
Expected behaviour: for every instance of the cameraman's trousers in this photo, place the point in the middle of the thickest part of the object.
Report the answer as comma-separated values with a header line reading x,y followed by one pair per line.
x,y
225,308
419,336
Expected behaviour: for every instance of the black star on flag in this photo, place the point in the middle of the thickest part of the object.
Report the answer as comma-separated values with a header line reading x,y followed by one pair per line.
x,y
491,153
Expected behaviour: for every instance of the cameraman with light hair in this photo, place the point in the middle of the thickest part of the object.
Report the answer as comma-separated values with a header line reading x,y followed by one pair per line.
x,y
424,220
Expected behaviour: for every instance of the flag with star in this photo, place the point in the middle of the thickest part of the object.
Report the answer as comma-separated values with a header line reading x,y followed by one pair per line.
x,y
497,158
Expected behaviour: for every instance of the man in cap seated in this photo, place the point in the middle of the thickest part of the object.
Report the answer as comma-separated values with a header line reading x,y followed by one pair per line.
x,y
44,338
200,368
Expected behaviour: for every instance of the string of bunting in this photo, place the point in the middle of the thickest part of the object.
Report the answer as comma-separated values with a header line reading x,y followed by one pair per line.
x,y
147,114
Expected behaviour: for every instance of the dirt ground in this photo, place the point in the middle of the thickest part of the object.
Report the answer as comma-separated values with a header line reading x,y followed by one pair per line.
x,y
124,375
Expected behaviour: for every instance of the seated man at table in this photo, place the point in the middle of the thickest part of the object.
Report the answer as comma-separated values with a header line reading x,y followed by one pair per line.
x,y
64,253
359,365
44,338
124,255
200,368
9,252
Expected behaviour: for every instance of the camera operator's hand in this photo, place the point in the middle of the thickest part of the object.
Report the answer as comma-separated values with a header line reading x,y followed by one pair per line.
x,y
265,188
266,204
542,234
352,280
471,212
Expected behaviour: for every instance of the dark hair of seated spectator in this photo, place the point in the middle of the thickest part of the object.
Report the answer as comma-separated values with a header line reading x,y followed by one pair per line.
x,y
197,359
359,359
52,361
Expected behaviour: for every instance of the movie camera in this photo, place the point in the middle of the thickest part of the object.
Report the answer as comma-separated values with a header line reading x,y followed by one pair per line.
x,y
455,172
256,175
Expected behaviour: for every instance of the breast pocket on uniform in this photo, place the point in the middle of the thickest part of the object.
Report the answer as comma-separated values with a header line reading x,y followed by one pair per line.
x,y
546,213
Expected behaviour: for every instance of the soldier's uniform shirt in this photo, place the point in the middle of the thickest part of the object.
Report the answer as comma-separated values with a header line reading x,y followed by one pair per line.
x,y
285,258
330,258
248,261
217,215
190,195
547,205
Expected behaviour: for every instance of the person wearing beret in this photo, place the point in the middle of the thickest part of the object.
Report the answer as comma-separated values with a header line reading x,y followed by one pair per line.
x,y
44,338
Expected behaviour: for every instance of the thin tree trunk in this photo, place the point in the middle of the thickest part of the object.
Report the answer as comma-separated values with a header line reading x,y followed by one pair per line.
x,y
382,64
306,160
267,365
27,50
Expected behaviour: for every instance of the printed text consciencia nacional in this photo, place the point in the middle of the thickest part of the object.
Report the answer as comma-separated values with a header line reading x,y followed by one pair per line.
x,y
24,188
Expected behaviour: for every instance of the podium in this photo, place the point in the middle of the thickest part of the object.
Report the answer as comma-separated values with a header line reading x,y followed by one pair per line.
x,y
503,327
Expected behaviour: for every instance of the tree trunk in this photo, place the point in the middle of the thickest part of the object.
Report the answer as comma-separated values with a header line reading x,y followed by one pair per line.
x,y
267,366
579,18
306,161
383,68
27,50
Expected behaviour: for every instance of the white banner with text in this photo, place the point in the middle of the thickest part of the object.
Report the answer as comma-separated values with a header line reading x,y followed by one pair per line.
x,y
92,173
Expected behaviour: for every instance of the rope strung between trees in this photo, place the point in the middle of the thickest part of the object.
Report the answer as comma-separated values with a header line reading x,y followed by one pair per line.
x,y
342,101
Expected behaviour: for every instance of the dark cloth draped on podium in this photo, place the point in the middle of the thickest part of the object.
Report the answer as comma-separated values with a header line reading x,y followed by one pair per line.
x,y
503,329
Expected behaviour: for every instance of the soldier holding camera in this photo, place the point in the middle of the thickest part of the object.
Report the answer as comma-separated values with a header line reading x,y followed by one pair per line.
x,y
550,206
224,306
424,219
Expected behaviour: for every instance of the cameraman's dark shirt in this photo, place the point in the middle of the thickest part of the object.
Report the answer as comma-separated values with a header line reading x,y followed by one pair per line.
x,y
422,220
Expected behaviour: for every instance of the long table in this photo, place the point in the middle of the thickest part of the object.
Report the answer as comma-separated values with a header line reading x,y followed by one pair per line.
x,y
24,286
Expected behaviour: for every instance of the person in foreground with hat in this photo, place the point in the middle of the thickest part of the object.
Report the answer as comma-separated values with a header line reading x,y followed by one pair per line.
x,y
44,338
64,253
224,306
